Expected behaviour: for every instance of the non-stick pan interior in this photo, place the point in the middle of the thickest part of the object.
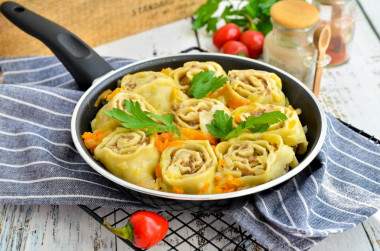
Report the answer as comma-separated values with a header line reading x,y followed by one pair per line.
x,y
298,95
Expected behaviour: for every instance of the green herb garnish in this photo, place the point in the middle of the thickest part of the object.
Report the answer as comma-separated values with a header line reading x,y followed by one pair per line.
x,y
139,119
222,125
204,82
248,14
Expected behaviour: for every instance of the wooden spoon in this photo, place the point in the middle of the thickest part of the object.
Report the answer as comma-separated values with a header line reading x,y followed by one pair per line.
x,y
321,40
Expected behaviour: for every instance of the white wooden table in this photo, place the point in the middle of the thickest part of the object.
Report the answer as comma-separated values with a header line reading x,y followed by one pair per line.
x,y
351,92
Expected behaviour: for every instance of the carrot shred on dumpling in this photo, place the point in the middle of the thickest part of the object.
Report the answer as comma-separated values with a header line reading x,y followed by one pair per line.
x,y
157,171
230,184
191,134
113,93
92,140
178,190
166,71
165,140
102,97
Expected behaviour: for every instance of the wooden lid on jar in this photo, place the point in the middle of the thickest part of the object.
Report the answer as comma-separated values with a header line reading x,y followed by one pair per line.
x,y
294,14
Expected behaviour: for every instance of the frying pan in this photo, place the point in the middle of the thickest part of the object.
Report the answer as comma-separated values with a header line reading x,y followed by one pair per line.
x,y
95,75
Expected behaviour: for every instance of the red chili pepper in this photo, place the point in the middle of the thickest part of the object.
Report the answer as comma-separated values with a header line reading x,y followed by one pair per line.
x,y
144,229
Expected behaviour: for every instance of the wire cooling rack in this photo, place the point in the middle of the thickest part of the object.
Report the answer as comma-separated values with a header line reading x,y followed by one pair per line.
x,y
187,231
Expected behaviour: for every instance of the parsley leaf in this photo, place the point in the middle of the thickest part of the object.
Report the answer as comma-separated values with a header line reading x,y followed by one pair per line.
x,y
139,119
222,125
204,82
247,14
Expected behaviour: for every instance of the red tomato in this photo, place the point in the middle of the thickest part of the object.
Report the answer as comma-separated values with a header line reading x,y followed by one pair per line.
x,y
235,48
144,229
254,40
226,33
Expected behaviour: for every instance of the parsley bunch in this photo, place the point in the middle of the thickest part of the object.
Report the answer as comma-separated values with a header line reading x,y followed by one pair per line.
x,y
140,119
248,14
222,125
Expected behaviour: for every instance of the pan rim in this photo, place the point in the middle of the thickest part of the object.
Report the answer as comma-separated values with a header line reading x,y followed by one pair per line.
x,y
195,197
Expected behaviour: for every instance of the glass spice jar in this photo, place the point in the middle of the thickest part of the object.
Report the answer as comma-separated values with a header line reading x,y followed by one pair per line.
x,y
290,42
340,15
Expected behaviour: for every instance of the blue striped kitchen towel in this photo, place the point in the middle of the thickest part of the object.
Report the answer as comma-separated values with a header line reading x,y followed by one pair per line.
x,y
39,164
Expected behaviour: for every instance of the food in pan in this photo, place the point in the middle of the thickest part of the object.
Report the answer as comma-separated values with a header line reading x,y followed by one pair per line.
x,y
291,130
252,159
197,130
130,155
184,75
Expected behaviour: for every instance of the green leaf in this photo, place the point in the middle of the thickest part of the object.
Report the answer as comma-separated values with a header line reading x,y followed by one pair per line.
x,y
266,118
236,132
222,125
204,13
203,83
211,25
265,6
259,128
137,118
252,8
254,15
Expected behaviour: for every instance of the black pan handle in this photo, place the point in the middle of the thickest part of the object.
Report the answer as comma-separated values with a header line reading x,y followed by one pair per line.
x,y
84,64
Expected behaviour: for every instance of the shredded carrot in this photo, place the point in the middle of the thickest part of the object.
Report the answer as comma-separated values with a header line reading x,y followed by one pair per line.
x,y
113,93
166,71
92,140
213,148
204,188
218,178
102,97
157,171
223,90
230,185
177,190
165,140
191,134
292,123
235,103
222,162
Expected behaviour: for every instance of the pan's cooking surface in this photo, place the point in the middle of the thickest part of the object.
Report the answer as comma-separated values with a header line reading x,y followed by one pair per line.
x,y
299,97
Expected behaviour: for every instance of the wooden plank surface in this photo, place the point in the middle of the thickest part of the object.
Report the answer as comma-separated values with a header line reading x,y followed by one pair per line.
x,y
97,22
350,92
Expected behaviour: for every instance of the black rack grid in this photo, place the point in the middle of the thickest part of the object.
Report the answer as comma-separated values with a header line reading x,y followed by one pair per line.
x,y
187,231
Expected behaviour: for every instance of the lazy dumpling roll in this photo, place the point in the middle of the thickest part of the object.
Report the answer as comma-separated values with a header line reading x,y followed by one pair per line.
x,y
197,113
184,75
130,155
253,86
156,87
290,130
189,168
252,159
107,123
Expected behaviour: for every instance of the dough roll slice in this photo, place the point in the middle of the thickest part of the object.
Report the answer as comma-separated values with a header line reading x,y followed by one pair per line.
x,y
253,86
130,155
157,88
290,130
252,159
197,113
189,168
184,75
107,123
